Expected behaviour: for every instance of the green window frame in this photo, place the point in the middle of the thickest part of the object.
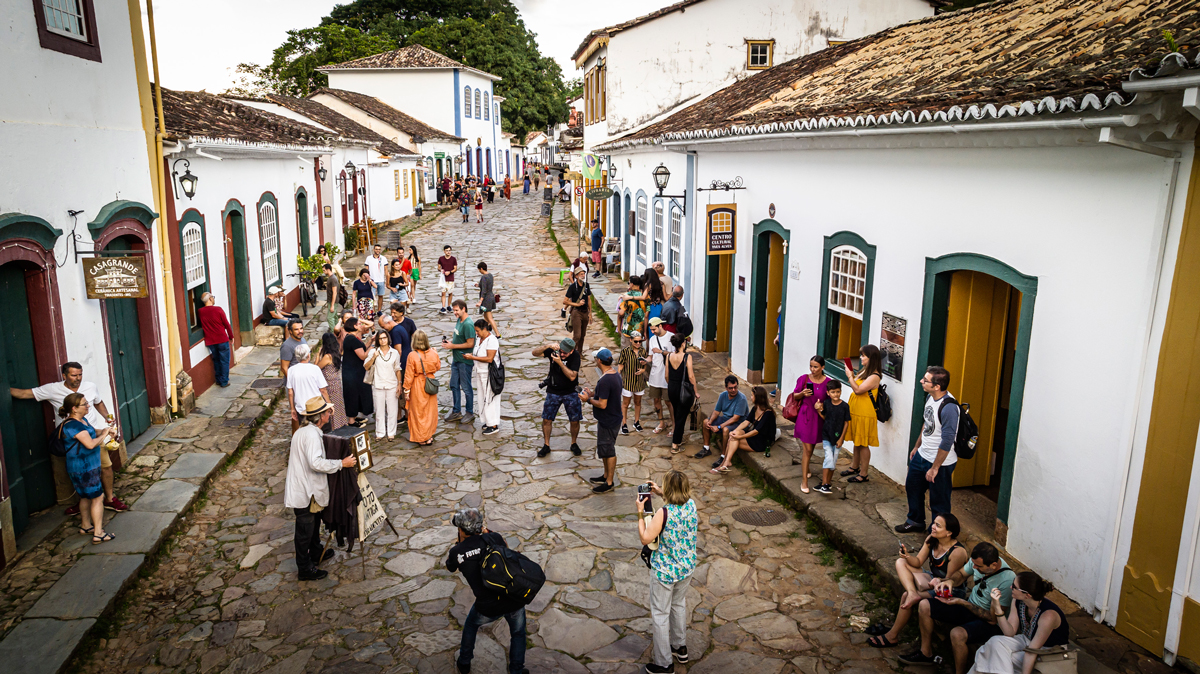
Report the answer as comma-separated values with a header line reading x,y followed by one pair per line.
x,y
827,328
269,234
195,277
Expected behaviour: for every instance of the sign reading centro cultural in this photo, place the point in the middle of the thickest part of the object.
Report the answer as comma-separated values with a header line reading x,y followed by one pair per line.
x,y
114,277
722,229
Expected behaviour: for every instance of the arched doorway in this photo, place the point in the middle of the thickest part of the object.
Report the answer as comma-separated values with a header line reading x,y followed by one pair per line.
x,y
768,295
976,322
238,270
302,221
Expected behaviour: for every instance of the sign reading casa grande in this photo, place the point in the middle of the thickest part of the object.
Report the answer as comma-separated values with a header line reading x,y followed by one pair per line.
x,y
114,277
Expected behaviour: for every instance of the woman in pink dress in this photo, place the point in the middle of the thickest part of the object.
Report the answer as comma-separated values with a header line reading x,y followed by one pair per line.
x,y
810,389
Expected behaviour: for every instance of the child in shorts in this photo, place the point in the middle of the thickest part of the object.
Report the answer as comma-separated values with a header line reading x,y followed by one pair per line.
x,y
835,421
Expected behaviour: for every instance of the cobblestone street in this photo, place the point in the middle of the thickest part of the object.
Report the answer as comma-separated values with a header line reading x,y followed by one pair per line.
x,y
224,596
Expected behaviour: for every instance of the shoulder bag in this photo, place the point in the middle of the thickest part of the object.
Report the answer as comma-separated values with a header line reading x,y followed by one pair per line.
x,y
431,384
369,377
791,408
686,390
58,444
648,549
496,374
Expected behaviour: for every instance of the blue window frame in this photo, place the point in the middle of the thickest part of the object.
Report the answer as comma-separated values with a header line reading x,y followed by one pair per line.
x,y
467,102
478,104
487,106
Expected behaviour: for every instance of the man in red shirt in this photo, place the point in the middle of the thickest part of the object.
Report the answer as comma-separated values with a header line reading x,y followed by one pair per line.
x,y
217,336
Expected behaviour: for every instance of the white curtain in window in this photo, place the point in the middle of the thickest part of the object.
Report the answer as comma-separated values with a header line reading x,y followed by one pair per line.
x,y
658,230
487,105
641,227
478,104
192,239
269,229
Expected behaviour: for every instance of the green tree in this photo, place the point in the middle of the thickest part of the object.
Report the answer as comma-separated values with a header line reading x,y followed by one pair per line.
x,y
293,67
574,87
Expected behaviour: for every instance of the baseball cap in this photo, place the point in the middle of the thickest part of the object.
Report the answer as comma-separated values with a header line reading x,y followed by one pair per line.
x,y
274,290
656,321
604,356
567,344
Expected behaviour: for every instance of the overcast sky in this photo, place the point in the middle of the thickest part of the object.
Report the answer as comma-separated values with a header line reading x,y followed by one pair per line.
x,y
201,43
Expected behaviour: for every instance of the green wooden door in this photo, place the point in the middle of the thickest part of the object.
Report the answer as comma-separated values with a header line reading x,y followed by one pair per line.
x,y
22,422
302,218
125,343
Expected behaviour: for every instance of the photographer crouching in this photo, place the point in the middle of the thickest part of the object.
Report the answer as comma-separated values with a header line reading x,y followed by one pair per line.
x,y
671,565
561,389
306,489
467,556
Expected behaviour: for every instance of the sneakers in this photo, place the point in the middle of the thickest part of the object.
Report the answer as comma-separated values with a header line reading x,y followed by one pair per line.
x,y
116,505
624,429
680,654
702,453
916,658
575,449
637,426
718,461
601,488
544,451
599,479
313,574
72,511
463,669
453,416
824,489
909,528
489,430
655,669
467,418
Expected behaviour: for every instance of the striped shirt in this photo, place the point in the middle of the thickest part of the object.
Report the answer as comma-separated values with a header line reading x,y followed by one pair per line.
x,y
629,366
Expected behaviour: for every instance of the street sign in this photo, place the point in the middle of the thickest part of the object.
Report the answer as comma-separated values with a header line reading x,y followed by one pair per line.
x,y
439,155
113,277
599,193
579,191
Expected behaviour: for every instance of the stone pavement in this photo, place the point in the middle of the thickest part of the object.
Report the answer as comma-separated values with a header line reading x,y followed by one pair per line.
x,y
54,593
224,597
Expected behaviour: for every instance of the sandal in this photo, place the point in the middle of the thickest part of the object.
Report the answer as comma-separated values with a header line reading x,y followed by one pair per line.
x,y
859,479
881,641
108,536
878,629
848,472
87,531
675,449
719,471
660,429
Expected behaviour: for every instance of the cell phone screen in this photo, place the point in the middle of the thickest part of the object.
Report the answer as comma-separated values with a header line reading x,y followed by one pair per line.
x,y
808,386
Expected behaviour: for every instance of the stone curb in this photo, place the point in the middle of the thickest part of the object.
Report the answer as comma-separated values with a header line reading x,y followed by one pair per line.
x,y
51,632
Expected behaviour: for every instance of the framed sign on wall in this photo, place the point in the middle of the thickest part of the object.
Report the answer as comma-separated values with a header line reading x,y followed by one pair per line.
x,y
722,229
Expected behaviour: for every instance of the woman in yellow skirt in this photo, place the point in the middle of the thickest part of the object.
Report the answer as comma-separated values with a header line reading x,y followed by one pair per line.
x,y
864,425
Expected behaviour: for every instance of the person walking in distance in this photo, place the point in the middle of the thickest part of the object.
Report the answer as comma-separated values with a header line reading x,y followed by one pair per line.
x,y
383,362
606,408
412,266
306,488
377,267
447,265
578,301
561,385
487,297
659,345
864,424
97,415
597,241
218,336
633,366
460,367
304,381
931,461
486,350
671,565
467,556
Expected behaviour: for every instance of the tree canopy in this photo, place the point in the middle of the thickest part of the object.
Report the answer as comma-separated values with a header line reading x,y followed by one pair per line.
x,y
488,35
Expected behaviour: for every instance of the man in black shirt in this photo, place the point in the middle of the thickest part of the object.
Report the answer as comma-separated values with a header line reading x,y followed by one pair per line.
x,y
467,556
560,391
606,407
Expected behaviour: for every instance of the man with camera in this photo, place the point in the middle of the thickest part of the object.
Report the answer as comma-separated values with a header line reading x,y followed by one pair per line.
x,y
460,368
606,407
561,389
467,556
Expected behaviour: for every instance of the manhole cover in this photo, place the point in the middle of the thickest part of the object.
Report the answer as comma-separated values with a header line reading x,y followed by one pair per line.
x,y
239,422
760,517
271,382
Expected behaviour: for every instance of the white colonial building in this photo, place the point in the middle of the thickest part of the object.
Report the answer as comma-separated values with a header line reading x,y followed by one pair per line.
x,y
1040,241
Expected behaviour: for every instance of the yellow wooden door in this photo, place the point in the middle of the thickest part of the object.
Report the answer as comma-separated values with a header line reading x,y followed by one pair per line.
x,y
724,303
415,177
775,272
976,329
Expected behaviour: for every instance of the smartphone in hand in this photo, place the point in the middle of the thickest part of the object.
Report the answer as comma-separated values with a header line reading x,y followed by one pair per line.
x,y
849,365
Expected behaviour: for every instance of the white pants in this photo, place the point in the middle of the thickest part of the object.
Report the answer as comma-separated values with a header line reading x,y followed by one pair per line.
x,y
387,410
1001,655
668,606
489,411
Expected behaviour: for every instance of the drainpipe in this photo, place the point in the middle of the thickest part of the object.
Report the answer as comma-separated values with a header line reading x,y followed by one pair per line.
x,y
164,251
1103,600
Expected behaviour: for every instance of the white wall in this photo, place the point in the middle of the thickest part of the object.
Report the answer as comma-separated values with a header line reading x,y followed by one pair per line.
x,y
427,95
662,63
73,140
1085,221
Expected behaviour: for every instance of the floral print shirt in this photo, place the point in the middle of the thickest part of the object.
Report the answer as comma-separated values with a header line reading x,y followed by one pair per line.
x,y
675,558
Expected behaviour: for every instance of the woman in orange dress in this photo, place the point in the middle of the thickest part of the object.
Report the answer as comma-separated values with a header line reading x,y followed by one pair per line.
x,y
422,407
508,188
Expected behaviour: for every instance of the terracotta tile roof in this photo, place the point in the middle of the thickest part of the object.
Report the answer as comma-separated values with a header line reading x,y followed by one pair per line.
x,y
413,56
386,113
200,114
343,125
633,23
1006,58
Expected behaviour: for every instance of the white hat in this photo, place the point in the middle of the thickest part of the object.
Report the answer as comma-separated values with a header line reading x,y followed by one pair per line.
x,y
274,290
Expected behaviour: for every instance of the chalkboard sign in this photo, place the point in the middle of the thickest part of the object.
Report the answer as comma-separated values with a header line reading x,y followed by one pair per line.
x,y
546,209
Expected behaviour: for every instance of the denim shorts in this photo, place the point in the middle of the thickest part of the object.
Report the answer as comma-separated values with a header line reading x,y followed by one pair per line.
x,y
381,289
571,400
831,454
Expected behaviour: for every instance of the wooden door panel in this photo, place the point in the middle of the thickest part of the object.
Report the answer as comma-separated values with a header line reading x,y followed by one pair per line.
x,y
774,295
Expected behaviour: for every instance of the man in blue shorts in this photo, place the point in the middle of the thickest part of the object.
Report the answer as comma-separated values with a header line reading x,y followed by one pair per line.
x,y
561,385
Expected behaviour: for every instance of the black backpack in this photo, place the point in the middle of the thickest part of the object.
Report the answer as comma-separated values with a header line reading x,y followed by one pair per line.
x,y
683,325
882,403
968,432
511,575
